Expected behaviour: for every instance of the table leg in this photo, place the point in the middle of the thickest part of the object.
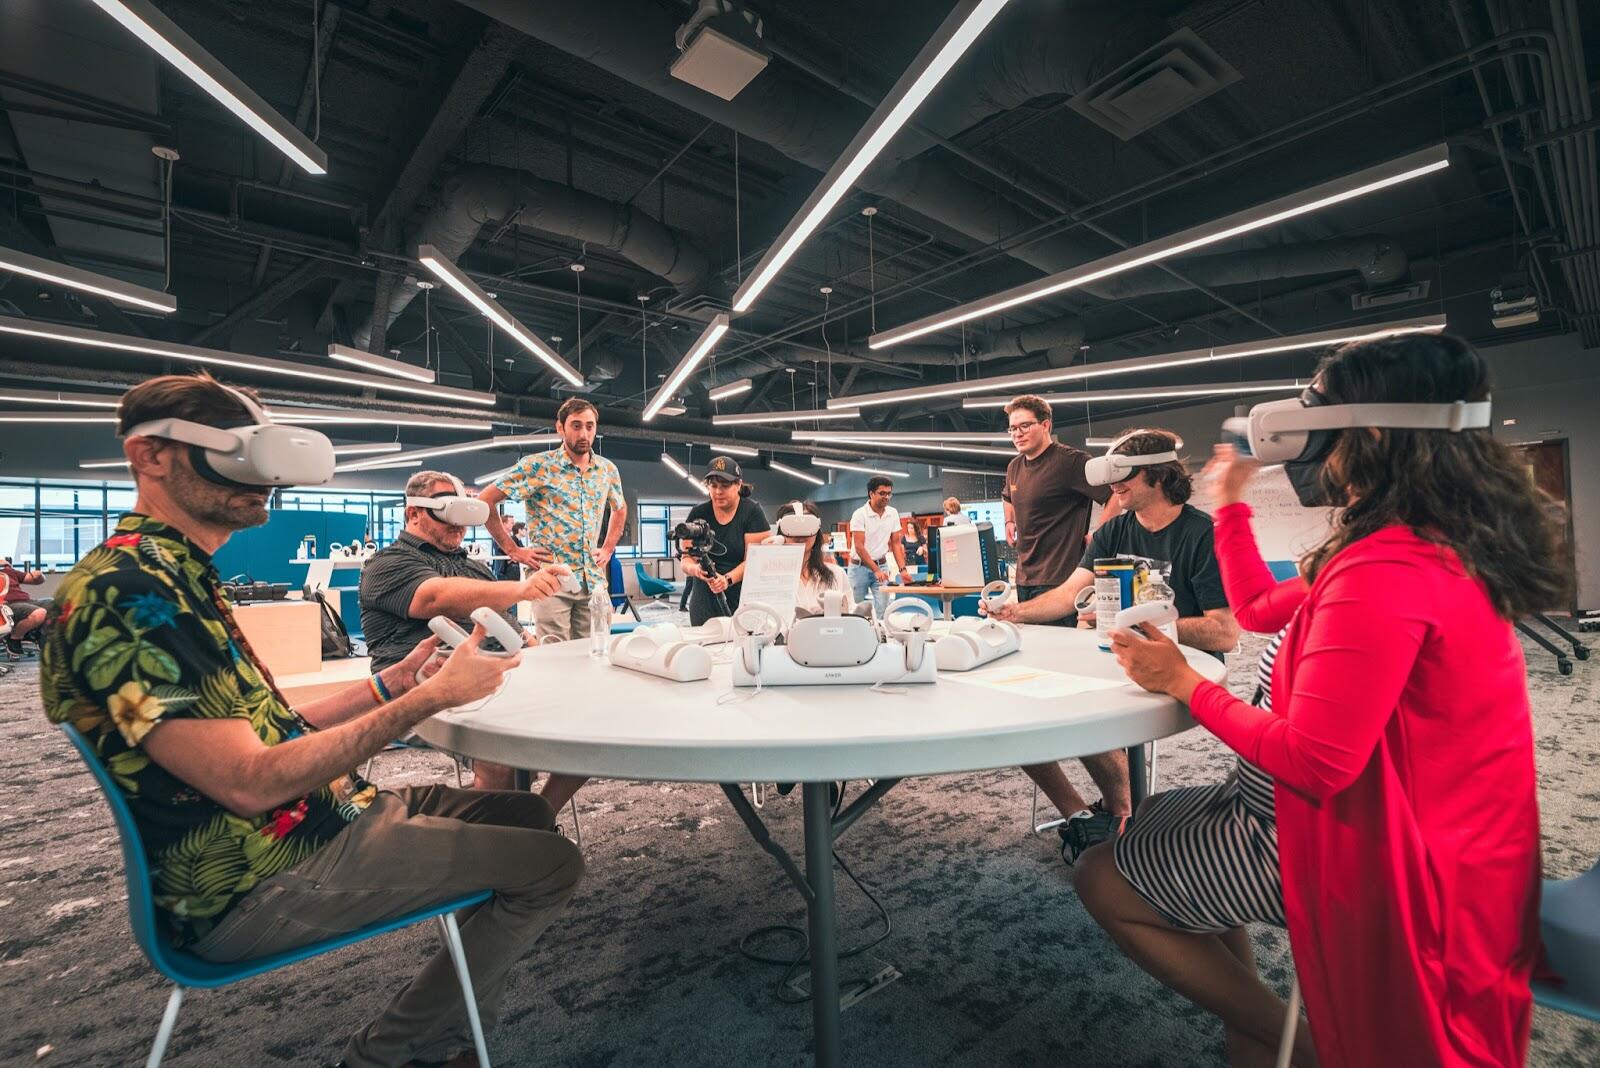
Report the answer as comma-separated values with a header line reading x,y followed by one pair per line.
x,y
947,602
823,925
1138,782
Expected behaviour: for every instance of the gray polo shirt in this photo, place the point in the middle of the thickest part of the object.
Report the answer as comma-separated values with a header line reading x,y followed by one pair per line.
x,y
389,581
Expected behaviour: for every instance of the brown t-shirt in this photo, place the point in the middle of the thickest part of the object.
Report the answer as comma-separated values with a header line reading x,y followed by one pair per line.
x,y
1052,502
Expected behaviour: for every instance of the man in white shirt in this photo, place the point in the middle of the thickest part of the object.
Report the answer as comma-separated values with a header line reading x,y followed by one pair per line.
x,y
875,539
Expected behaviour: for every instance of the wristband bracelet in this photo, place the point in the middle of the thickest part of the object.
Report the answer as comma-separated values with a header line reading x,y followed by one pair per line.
x,y
379,690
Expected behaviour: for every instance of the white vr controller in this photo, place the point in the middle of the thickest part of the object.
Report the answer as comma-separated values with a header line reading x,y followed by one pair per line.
x,y
452,636
913,632
1160,613
976,640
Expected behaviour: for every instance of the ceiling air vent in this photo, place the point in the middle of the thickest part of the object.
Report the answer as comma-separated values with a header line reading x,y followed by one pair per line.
x,y
1155,85
1382,298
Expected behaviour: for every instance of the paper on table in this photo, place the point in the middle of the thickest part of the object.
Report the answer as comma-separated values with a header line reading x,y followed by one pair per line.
x,y
772,578
1032,682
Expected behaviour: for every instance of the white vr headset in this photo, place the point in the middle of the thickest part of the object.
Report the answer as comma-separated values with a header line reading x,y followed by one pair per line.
x,y
255,456
1302,428
456,509
799,523
1115,467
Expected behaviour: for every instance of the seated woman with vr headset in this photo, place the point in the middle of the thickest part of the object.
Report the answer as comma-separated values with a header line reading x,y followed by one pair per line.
x,y
1393,824
799,523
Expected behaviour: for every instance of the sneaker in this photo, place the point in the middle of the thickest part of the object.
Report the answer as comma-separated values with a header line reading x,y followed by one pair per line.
x,y
14,648
1088,828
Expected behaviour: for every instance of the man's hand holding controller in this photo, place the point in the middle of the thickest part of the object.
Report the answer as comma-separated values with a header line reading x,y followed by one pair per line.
x,y
549,580
470,672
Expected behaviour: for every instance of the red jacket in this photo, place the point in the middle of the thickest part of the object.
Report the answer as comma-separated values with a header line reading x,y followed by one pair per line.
x,y
1408,822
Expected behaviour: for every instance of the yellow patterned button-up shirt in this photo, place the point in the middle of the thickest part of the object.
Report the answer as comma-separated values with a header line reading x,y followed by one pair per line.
x,y
565,505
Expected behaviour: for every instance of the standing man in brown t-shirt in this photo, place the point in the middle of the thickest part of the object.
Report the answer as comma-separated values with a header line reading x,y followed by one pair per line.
x,y
1047,501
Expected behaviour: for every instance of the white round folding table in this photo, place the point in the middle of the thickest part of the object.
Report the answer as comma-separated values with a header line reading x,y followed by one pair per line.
x,y
565,711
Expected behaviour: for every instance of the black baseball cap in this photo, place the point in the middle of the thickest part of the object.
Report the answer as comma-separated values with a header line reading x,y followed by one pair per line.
x,y
725,468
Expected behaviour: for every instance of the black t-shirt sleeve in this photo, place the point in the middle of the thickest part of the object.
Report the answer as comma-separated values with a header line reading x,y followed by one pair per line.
x,y
1077,461
389,581
1205,576
755,520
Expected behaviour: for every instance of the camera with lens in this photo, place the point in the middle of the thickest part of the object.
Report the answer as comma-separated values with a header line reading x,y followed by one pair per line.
x,y
697,532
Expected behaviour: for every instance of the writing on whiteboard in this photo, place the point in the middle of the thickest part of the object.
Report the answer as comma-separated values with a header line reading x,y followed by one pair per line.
x,y
1285,529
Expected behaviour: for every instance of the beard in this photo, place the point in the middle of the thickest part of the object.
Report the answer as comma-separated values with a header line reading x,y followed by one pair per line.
x,y
580,447
224,507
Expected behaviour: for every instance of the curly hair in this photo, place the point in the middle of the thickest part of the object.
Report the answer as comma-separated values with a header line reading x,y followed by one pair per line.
x,y
1464,490
1176,484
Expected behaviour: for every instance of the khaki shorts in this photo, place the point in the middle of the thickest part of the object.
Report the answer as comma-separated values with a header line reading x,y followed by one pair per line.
x,y
563,616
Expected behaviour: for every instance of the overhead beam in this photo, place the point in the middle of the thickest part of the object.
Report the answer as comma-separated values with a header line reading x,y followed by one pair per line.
x,y
263,300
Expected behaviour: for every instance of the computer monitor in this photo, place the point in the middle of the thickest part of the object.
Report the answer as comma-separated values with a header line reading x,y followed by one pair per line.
x,y
964,554
991,512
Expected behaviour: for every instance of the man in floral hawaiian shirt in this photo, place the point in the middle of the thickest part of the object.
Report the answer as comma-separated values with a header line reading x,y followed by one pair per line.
x,y
260,838
566,491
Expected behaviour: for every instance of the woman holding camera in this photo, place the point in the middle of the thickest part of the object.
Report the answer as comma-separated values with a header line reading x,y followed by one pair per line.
x,y
1396,736
734,522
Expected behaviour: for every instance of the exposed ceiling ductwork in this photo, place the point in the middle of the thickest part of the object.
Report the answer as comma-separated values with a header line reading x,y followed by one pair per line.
x,y
479,195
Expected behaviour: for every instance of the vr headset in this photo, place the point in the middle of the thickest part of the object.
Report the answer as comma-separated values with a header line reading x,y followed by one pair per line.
x,y
1302,429
456,509
1115,467
799,523
255,456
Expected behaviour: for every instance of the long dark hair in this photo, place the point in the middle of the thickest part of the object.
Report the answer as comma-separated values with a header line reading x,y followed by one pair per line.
x,y
815,565
1464,490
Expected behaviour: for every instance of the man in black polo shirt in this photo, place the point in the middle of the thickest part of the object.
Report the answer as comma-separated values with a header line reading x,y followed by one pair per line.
x,y
426,573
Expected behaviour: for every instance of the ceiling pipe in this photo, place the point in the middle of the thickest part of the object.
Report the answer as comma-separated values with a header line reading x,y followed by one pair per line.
x,y
480,195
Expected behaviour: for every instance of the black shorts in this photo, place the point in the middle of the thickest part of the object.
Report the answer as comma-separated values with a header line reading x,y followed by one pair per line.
x,y
21,610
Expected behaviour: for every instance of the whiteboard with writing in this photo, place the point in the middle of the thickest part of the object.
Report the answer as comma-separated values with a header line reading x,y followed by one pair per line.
x,y
1285,529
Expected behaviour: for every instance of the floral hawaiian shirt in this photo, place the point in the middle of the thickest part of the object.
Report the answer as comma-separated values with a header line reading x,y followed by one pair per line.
x,y
565,505
140,631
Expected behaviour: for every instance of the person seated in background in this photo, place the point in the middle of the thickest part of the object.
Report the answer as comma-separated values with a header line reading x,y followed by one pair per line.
x,y
818,574
736,522
1155,521
913,544
26,616
260,837
425,572
953,512
1393,747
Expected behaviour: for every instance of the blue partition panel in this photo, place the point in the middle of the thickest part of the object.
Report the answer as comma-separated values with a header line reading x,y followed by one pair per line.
x,y
266,553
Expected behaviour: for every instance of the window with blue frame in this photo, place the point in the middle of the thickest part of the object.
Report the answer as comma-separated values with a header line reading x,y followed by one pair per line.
x,y
656,520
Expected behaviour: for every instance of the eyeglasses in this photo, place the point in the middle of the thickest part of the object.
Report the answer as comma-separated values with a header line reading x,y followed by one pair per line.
x,y
1021,428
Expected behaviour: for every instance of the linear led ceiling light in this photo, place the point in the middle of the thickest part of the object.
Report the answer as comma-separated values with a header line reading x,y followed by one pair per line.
x,y
55,417
50,396
88,464
490,309
971,471
73,278
171,350
1029,381
730,450
381,364
877,441
794,473
1317,197
365,450
803,416
364,417
144,21
954,36
1098,443
502,441
731,389
899,435
676,468
1213,389
840,466
692,359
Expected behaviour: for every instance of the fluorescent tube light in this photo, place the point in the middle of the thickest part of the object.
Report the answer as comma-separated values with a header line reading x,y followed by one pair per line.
x,y
363,450
1030,381
1273,212
87,464
971,471
803,416
144,21
1214,389
381,364
680,374
899,435
730,450
494,476
794,473
1098,443
50,396
500,442
954,36
489,308
674,466
171,350
840,466
359,417
877,442
54,417
731,389
74,278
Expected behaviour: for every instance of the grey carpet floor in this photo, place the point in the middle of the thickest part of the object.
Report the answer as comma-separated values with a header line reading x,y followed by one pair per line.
x,y
1001,963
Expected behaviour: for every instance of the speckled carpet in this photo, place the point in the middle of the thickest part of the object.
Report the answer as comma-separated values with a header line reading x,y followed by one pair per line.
x,y
1001,963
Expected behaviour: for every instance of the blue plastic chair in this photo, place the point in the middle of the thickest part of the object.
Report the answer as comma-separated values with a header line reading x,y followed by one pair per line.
x,y
188,971
649,585
1569,917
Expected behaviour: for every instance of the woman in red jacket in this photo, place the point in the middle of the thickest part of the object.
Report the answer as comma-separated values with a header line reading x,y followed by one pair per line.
x,y
1398,733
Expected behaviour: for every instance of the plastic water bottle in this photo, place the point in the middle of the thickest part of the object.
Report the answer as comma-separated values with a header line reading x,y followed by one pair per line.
x,y
599,621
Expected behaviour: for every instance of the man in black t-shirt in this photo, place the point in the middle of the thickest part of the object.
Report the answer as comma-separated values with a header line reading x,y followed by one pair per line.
x,y
1156,522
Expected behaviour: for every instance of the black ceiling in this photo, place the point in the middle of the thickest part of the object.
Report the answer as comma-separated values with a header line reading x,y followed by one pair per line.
x,y
269,261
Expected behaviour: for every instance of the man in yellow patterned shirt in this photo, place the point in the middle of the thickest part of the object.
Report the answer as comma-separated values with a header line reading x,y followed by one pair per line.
x,y
566,492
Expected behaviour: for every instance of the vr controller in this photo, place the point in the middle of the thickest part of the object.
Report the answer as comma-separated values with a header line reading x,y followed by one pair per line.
x,y
452,636
1161,613
570,583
